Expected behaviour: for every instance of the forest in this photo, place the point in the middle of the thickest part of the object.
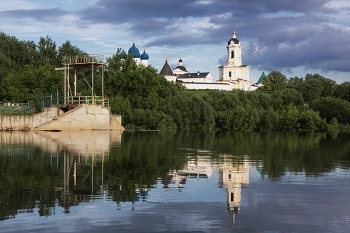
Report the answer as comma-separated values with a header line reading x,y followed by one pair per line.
x,y
147,101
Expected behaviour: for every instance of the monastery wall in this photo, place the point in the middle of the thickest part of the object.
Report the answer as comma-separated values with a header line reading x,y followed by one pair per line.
x,y
211,86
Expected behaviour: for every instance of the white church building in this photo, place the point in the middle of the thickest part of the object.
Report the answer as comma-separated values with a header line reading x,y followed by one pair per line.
x,y
233,75
234,71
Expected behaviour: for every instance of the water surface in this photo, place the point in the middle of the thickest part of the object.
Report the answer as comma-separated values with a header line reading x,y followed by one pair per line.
x,y
102,181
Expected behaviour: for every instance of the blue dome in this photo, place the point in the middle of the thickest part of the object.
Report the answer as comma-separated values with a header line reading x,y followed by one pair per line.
x,y
144,56
134,51
123,52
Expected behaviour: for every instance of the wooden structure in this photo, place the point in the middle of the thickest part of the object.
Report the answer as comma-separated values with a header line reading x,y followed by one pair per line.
x,y
91,61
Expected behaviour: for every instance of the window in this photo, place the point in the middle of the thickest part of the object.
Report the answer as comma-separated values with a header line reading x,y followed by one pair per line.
x,y
229,74
232,197
232,54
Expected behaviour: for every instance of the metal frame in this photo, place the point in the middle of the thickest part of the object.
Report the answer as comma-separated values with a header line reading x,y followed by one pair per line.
x,y
82,61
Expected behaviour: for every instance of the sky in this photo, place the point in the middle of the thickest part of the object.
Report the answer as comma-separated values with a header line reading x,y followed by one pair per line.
x,y
295,37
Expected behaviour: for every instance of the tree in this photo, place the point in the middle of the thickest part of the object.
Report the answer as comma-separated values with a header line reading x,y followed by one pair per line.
x,y
236,119
68,50
328,85
294,82
268,120
309,121
343,91
47,51
312,89
274,81
289,119
330,107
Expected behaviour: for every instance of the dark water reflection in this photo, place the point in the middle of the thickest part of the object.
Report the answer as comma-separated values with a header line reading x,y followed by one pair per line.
x,y
165,182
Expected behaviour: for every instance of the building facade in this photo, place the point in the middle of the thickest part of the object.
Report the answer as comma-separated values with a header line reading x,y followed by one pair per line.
x,y
234,71
233,75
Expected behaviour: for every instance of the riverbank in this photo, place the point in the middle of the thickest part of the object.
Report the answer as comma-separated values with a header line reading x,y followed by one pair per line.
x,y
83,117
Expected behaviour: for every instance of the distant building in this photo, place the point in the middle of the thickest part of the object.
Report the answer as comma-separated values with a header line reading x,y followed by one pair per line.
x,y
234,72
198,80
259,83
233,75
167,72
139,59
180,69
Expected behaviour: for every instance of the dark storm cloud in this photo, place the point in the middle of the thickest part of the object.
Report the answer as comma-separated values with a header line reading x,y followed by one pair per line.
x,y
322,47
277,34
38,14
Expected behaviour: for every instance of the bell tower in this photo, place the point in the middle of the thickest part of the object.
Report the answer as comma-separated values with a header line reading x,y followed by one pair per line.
x,y
234,72
234,49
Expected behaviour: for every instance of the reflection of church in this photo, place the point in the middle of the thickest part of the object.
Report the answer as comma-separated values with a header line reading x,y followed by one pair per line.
x,y
194,169
233,177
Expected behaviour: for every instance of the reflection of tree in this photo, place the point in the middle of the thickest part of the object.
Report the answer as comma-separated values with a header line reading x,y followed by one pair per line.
x,y
34,180
139,162
25,180
313,153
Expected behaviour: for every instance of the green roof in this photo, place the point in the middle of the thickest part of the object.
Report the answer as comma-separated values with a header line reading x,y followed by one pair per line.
x,y
261,78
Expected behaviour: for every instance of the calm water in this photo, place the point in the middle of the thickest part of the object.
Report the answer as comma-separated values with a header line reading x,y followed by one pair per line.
x,y
100,181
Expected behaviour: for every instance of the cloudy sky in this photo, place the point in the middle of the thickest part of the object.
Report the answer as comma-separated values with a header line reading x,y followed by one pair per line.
x,y
294,37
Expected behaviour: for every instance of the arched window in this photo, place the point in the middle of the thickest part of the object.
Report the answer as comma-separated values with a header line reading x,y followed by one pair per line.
x,y
229,74
232,54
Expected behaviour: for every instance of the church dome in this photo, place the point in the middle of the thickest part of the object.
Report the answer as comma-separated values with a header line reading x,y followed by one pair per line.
x,y
233,40
134,51
144,56
123,52
181,68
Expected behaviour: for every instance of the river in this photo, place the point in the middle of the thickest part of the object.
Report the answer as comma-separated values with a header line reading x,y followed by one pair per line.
x,y
107,181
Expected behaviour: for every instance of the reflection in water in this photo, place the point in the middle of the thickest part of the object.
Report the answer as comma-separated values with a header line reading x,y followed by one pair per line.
x,y
65,171
233,177
72,173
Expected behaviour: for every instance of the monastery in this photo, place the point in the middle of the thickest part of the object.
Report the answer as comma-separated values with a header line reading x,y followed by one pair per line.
x,y
233,75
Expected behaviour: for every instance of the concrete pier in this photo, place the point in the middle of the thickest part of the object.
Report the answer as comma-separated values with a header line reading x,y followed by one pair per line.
x,y
83,117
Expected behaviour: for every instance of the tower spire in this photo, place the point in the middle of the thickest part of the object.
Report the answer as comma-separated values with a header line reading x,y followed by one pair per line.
x,y
234,33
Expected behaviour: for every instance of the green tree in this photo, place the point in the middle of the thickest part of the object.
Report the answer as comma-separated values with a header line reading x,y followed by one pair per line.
x,y
309,121
328,85
289,119
274,81
47,51
268,120
343,91
236,119
330,108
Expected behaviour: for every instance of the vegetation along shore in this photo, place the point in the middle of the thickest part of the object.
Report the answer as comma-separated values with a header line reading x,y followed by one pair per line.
x,y
148,101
